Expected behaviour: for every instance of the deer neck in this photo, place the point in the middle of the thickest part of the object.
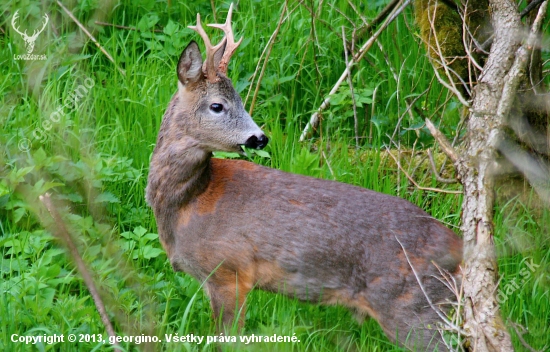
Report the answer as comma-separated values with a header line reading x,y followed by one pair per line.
x,y
178,173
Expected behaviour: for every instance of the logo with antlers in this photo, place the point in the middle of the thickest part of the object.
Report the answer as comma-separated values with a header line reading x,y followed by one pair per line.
x,y
29,40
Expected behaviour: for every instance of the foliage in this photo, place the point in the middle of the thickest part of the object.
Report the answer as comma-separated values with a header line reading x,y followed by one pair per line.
x,y
94,161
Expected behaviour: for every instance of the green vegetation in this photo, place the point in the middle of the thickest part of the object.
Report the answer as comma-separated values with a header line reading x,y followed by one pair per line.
x,y
93,157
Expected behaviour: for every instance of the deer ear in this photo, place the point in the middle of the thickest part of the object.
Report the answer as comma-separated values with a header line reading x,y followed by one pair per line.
x,y
190,64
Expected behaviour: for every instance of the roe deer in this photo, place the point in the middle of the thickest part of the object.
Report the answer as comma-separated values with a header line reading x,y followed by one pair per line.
x,y
238,226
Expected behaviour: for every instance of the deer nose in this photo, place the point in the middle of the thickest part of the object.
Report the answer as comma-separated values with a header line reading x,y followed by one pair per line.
x,y
257,142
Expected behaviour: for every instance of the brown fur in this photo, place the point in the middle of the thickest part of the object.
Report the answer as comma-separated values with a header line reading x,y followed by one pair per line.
x,y
237,225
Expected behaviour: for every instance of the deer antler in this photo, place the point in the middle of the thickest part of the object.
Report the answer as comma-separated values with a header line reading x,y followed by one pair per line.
x,y
228,42
231,44
208,66
14,18
36,31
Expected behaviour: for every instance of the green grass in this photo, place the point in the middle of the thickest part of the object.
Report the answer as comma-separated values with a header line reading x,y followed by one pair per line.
x,y
95,161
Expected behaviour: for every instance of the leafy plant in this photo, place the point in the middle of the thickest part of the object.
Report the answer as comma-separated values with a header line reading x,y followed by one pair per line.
x,y
140,244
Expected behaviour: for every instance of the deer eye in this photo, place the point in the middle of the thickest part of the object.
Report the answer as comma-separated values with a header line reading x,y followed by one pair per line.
x,y
216,107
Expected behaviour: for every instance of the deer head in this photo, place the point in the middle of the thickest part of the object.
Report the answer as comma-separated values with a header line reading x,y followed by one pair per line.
x,y
216,119
29,40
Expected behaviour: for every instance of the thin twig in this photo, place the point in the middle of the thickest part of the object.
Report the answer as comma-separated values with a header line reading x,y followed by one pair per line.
x,y
435,309
61,232
105,24
530,7
439,190
314,120
517,71
442,140
436,174
379,18
320,20
343,16
70,14
372,112
213,6
521,339
267,50
328,164
450,282
443,62
350,84
359,14
523,13
466,33
316,43
396,79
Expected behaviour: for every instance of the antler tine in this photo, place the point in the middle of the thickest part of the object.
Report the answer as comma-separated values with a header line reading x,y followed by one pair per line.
x,y
208,66
38,31
14,18
231,44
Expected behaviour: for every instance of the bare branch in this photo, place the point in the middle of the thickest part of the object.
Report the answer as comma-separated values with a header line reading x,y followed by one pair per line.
x,y
61,232
530,7
442,140
379,18
350,84
267,51
105,24
419,281
314,120
536,171
521,339
436,174
443,63
517,71
70,14
328,164
439,190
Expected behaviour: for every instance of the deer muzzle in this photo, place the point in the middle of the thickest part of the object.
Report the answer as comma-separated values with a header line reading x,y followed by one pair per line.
x,y
257,142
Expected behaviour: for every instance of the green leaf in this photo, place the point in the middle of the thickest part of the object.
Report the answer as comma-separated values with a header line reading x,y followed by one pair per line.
x,y
338,98
128,235
18,214
140,231
171,28
287,78
261,153
40,157
42,187
148,21
360,100
73,197
151,236
106,197
128,245
18,175
226,155
151,252
19,265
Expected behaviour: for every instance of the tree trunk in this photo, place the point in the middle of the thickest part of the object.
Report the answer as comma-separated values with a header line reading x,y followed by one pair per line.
x,y
475,169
